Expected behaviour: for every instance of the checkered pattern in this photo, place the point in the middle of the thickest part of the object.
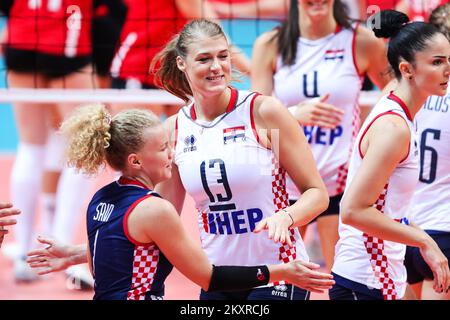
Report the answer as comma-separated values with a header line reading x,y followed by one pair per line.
x,y
144,269
343,169
204,217
378,260
356,122
281,201
281,197
342,178
379,263
379,204
288,254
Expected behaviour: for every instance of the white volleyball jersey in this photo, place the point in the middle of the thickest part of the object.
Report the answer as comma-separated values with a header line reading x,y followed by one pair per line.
x,y
361,257
430,206
322,66
235,183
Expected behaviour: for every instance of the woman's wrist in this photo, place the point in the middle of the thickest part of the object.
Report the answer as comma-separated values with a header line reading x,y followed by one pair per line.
x,y
290,217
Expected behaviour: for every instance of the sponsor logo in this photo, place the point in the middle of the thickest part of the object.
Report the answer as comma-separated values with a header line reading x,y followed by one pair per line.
x,y
280,291
189,141
260,275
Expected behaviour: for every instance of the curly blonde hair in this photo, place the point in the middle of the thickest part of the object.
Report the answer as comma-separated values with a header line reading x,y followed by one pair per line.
x,y
94,138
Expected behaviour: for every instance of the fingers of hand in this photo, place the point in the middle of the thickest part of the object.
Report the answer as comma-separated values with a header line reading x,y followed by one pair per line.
x,y
8,212
324,121
43,240
310,265
40,264
5,205
9,222
37,253
45,271
329,115
262,225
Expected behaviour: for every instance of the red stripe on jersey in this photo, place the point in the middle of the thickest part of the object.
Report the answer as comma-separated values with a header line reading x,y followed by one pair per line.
x,y
370,124
205,221
335,51
193,114
402,104
233,99
230,107
131,182
125,221
233,129
252,118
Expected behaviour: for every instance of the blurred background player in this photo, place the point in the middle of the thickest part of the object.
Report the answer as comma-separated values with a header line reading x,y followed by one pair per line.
x,y
419,10
429,208
48,44
149,26
314,63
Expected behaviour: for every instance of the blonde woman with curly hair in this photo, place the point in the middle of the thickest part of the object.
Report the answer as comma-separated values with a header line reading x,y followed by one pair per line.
x,y
134,235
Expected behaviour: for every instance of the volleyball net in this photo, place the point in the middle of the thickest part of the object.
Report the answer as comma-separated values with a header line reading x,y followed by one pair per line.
x,y
243,22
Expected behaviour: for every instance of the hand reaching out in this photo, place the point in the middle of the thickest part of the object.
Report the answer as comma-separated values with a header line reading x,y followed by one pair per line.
x,y
306,275
278,226
6,210
55,257
316,112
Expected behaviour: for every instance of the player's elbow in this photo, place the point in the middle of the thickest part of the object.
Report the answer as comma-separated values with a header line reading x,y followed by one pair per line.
x,y
348,213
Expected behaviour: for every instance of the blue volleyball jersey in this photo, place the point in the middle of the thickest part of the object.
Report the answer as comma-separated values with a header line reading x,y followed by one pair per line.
x,y
123,268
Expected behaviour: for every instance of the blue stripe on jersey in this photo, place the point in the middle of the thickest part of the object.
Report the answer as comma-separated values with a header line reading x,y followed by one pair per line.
x,y
113,254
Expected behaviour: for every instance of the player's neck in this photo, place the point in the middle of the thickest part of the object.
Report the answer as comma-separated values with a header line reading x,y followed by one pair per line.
x,y
411,96
209,108
314,30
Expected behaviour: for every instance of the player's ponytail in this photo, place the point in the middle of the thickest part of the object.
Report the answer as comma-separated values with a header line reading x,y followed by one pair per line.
x,y
94,138
406,38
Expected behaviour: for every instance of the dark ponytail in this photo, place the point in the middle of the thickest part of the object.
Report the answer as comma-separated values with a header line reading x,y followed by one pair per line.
x,y
289,31
406,38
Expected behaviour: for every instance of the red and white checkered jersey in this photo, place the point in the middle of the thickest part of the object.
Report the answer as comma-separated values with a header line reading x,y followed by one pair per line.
x,y
429,207
235,183
361,257
325,66
55,27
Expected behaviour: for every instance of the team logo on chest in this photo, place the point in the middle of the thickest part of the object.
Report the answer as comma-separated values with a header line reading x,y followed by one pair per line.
x,y
189,141
233,135
334,55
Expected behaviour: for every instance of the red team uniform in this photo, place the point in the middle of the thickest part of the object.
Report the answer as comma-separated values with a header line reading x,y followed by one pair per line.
x,y
149,26
46,24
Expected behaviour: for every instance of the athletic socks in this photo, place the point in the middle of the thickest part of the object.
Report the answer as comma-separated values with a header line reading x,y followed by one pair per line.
x,y
54,162
73,189
26,180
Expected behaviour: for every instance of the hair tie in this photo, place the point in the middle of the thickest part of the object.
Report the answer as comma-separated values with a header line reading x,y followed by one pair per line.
x,y
108,118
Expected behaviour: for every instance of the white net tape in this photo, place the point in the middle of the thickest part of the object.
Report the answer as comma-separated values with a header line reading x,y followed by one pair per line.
x,y
129,96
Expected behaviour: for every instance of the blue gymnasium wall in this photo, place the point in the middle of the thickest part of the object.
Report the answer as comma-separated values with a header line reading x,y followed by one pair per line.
x,y
8,134
242,32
